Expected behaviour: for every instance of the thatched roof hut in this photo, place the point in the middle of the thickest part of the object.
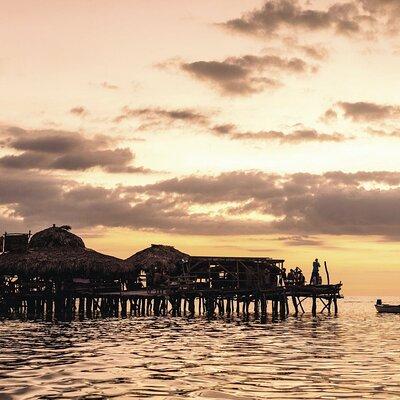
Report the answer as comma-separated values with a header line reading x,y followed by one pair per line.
x,y
158,256
56,252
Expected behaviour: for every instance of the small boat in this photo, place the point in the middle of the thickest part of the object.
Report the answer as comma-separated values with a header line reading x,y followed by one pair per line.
x,y
386,308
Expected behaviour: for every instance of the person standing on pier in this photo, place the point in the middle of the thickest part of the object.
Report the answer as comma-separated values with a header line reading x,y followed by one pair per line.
x,y
315,272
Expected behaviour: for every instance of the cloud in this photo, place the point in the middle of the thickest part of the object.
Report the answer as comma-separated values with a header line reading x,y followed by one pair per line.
x,y
296,206
389,9
245,75
296,137
277,16
79,111
365,112
329,115
109,86
298,240
50,149
382,133
162,118
40,200
316,52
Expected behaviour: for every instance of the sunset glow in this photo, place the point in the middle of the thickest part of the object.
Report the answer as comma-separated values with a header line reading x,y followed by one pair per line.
x,y
222,128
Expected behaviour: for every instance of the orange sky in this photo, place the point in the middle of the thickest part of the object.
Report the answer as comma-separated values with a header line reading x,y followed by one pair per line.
x,y
246,128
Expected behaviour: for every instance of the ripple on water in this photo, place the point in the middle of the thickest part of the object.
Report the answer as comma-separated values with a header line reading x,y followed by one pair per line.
x,y
353,356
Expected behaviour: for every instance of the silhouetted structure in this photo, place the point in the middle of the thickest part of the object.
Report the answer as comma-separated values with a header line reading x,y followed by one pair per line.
x,y
54,274
56,267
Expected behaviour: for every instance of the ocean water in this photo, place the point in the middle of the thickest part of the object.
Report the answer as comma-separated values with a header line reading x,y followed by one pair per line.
x,y
355,355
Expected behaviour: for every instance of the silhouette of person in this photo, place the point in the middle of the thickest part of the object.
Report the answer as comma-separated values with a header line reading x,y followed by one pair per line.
x,y
315,272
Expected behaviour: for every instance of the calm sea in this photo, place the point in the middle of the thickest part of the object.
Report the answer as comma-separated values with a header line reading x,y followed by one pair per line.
x,y
353,356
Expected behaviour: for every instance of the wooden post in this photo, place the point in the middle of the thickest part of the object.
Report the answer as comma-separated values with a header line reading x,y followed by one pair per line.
x,y
296,308
184,306
274,309
327,273
49,310
68,308
172,300
30,309
256,310
228,307
335,307
301,305
149,305
59,305
143,310
282,308
123,308
210,301
179,306
314,305
263,309
81,307
191,306
157,302
287,305
89,305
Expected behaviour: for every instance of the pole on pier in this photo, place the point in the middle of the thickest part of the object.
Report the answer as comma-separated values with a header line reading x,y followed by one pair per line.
x,y
327,273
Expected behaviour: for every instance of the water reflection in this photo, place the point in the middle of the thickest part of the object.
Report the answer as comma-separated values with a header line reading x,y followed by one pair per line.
x,y
353,356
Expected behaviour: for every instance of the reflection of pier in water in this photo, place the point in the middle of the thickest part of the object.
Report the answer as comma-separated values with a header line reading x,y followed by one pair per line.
x,y
56,277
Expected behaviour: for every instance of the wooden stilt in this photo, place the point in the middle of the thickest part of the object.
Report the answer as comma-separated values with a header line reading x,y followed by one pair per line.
x,y
296,308
314,305
335,306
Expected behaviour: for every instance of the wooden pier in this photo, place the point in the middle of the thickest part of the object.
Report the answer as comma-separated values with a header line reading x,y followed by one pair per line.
x,y
55,277
269,304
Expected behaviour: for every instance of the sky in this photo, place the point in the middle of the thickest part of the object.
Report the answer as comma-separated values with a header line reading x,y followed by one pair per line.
x,y
246,128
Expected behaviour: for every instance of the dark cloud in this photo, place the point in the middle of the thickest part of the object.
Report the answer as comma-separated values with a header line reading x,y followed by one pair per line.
x,y
50,149
297,206
42,200
245,75
300,204
364,111
162,118
298,240
388,8
295,137
280,15
357,178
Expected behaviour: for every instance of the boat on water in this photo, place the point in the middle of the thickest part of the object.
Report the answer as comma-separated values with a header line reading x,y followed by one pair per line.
x,y
387,308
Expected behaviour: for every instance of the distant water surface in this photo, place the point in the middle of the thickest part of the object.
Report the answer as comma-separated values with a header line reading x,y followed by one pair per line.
x,y
353,356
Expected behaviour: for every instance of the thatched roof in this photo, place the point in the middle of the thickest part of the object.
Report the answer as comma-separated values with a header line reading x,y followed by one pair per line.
x,y
56,252
56,238
157,256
